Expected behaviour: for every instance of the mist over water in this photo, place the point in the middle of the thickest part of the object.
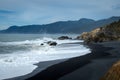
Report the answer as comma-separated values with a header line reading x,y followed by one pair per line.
x,y
18,52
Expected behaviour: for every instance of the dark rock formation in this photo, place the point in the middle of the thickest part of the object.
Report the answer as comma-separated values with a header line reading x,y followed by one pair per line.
x,y
106,33
113,73
41,44
64,37
52,43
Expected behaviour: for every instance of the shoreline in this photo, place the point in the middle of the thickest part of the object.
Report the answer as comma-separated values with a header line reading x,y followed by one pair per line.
x,y
98,66
40,67
70,65
91,66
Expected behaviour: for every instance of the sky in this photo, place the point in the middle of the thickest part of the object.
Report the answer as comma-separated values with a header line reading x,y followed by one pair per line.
x,y
28,12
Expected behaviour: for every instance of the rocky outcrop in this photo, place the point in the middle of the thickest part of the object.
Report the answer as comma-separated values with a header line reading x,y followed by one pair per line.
x,y
51,43
64,37
107,33
113,73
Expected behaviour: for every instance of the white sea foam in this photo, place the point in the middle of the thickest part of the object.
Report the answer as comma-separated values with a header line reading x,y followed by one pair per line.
x,y
20,62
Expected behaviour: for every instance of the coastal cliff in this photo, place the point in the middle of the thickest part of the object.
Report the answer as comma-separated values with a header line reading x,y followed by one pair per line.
x,y
109,32
113,73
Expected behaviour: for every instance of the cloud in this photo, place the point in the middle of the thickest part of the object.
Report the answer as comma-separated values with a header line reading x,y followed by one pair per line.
x,y
6,12
116,7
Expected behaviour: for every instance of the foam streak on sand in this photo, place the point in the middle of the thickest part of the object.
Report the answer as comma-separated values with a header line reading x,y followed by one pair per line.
x,y
19,57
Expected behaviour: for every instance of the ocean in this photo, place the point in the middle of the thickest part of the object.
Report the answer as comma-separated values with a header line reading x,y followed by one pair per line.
x,y
19,52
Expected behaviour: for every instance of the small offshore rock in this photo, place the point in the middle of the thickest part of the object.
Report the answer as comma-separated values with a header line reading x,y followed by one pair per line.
x,y
52,43
64,37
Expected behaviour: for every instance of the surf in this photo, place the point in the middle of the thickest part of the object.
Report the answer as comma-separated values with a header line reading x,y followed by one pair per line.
x,y
22,55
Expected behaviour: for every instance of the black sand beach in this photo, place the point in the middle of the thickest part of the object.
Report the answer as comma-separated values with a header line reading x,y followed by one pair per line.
x,y
41,66
88,67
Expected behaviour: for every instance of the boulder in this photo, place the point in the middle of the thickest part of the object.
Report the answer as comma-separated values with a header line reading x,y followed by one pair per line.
x,y
52,43
41,44
64,37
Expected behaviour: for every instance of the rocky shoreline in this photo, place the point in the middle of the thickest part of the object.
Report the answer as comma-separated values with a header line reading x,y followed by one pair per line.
x,y
106,33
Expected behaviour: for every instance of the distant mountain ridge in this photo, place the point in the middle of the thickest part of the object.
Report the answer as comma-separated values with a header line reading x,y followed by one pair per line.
x,y
82,25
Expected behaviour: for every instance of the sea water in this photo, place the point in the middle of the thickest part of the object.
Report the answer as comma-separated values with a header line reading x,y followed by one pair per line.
x,y
19,52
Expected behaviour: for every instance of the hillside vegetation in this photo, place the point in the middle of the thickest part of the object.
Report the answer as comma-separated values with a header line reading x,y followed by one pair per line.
x,y
106,33
113,73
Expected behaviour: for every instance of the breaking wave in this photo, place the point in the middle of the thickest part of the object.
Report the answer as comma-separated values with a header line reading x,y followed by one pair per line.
x,y
21,55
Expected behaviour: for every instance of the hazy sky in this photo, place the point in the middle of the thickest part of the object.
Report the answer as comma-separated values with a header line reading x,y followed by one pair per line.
x,y
24,12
